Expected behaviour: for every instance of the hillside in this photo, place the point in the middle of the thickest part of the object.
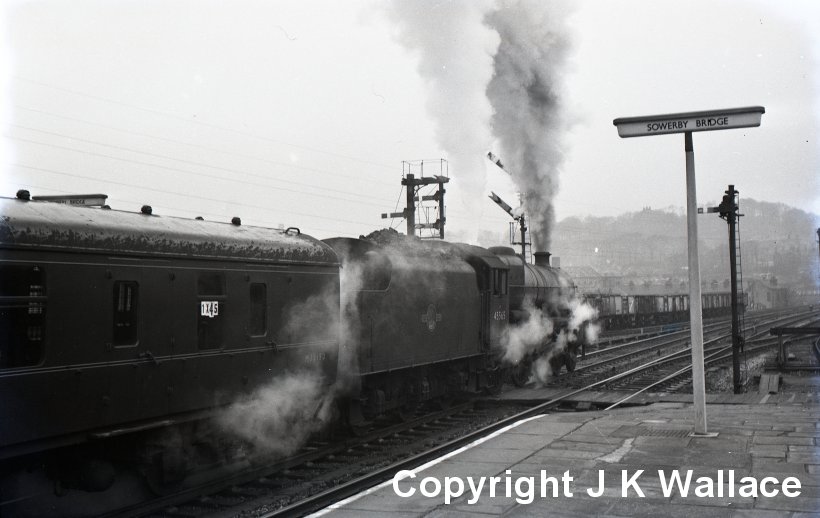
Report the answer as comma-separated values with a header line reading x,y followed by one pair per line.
x,y
650,246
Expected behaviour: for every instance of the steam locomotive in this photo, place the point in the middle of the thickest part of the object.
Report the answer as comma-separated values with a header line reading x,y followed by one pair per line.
x,y
122,333
430,318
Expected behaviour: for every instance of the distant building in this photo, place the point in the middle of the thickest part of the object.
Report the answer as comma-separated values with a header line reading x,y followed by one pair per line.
x,y
590,280
586,278
767,294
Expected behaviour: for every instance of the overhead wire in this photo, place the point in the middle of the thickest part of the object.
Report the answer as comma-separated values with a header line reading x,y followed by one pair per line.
x,y
199,146
211,126
183,171
184,161
197,122
164,191
347,195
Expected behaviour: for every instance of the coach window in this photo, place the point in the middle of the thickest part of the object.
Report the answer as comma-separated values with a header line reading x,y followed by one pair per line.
x,y
126,297
211,310
22,316
257,326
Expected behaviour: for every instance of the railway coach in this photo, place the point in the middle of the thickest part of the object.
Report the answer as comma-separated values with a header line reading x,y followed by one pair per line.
x,y
118,327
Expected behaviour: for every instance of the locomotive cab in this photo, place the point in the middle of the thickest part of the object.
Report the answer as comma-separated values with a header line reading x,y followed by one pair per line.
x,y
542,291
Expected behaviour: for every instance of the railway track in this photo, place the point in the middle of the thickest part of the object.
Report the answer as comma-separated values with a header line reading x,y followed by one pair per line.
x,y
672,374
665,349
331,496
278,484
324,473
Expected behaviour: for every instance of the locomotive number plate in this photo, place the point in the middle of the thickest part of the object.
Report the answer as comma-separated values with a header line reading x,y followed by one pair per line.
x,y
209,308
315,357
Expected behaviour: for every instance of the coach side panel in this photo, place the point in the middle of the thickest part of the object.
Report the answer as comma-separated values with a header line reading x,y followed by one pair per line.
x,y
111,342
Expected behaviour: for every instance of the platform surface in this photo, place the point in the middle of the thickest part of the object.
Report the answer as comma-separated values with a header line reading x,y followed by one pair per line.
x,y
757,436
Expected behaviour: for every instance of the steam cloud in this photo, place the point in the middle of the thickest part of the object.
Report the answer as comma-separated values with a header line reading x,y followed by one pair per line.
x,y
534,335
456,52
279,417
351,281
525,95
582,313
527,336
494,72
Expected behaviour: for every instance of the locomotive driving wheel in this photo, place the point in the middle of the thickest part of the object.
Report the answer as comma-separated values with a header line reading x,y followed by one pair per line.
x,y
570,361
520,372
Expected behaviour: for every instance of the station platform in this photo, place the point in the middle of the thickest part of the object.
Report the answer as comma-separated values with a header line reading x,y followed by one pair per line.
x,y
580,463
791,389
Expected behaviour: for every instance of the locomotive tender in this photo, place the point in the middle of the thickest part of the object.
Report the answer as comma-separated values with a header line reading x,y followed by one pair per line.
x,y
423,318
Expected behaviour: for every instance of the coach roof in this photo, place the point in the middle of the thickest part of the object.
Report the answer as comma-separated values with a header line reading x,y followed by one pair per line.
x,y
44,225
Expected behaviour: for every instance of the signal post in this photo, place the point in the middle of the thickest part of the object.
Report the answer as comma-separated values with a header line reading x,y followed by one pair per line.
x,y
687,123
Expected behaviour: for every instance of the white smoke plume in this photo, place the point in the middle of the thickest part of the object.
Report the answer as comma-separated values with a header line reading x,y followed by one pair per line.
x,y
316,319
493,71
534,334
527,336
583,320
279,417
347,376
455,50
542,370
525,93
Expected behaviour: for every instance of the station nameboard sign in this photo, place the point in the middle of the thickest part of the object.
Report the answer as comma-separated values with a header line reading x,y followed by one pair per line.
x,y
691,121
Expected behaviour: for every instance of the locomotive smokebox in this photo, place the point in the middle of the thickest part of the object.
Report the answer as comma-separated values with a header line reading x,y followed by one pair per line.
x,y
542,259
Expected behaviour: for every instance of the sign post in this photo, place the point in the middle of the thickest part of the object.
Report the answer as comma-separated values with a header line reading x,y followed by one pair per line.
x,y
687,123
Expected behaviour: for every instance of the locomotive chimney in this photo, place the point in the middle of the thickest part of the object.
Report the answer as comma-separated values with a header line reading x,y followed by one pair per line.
x,y
542,259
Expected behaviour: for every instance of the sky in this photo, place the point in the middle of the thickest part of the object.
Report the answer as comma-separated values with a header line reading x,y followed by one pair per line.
x,y
301,113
